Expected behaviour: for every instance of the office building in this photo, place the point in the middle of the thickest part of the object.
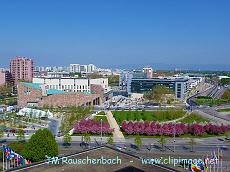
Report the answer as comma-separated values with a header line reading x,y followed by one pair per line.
x,y
21,68
178,85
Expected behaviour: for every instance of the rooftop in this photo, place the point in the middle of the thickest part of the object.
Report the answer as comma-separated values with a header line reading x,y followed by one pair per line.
x,y
163,79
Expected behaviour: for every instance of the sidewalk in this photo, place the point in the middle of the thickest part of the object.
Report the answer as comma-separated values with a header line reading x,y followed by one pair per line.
x,y
117,134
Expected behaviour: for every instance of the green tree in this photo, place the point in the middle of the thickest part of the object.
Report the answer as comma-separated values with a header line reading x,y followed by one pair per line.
x,y
162,141
110,140
192,143
158,93
67,139
87,138
138,141
226,94
1,133
40,145
21,135
17,146
225,81
5,90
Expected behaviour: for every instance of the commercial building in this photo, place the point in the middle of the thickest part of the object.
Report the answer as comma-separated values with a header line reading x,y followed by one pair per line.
x,y
38,95
5,78
21,68
178,85
72,84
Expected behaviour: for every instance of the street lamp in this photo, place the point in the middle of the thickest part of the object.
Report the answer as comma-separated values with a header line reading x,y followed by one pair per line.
x,y
101,131
174,136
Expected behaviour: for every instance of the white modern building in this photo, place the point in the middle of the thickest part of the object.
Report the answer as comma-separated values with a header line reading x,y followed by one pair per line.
x,y
72,84
83,68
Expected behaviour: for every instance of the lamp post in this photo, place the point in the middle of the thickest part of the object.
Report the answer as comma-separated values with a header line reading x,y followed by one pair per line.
x,y
101,131
174,137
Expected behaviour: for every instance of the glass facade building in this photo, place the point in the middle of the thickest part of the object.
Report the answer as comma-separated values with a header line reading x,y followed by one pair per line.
x,y
177,85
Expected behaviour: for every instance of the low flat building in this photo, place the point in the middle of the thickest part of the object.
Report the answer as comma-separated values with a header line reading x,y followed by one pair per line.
x,y
38,95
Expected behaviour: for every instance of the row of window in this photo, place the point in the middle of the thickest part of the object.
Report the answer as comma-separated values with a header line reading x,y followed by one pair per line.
x,y
68,87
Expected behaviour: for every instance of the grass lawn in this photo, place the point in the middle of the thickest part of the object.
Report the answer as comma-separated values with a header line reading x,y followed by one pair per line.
x,y
104,118
164,115
194,118
212,102
101,115
224,110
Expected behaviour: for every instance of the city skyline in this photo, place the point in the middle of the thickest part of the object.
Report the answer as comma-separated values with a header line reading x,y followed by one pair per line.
x,y
167,34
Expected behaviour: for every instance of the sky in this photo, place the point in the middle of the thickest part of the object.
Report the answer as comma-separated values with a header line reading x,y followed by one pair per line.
x,y
176,33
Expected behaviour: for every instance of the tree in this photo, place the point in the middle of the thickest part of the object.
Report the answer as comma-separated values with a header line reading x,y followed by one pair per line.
x,y
67,139
5,90
110,140
226,94
158,93
138,141
21,135
192,143
1,133
162,141
40,145
87,138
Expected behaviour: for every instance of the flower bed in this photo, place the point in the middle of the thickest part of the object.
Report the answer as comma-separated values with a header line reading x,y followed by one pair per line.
x,y
153,128
92,127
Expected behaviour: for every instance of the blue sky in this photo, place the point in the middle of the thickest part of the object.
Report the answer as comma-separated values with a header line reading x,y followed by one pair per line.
x,y
116,32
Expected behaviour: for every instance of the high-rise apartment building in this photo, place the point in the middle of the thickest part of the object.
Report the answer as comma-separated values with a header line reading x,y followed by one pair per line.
x,y
21,68
5,78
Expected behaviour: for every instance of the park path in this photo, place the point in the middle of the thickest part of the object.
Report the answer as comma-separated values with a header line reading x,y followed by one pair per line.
x,y
117,134
175,120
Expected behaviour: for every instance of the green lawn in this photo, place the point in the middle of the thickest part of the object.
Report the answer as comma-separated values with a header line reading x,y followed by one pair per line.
x,y
194,118
98,117
224,110
104,118
212,102
164,115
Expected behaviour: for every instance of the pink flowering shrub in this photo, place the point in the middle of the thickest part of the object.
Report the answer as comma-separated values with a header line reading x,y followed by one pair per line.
x,y
92,127
153,128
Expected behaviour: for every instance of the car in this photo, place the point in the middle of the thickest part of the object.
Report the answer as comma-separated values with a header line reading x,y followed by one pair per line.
x,y
223,148
134,146
3,141
220,139
66,144
84,144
